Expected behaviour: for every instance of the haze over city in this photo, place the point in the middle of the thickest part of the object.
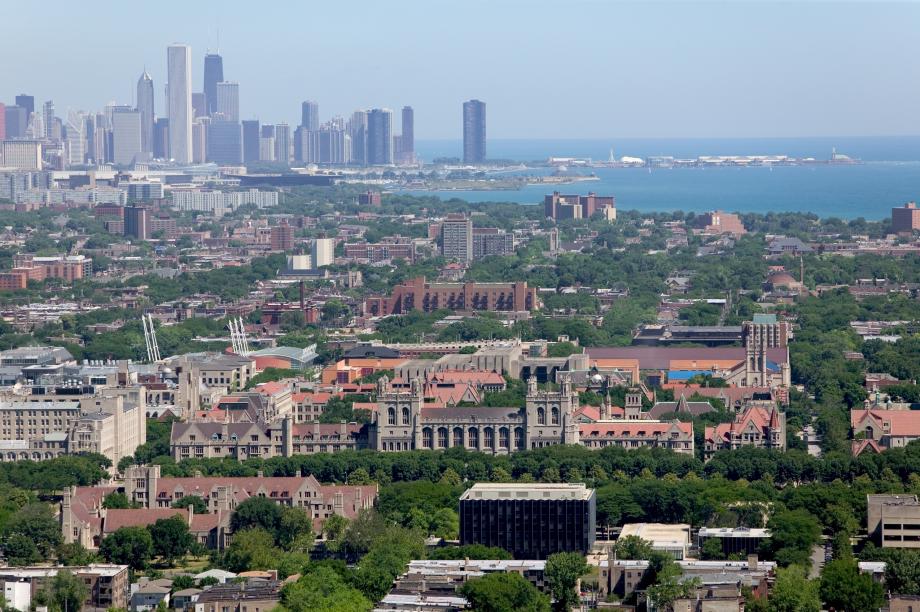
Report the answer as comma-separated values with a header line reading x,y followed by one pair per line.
x,y
582,69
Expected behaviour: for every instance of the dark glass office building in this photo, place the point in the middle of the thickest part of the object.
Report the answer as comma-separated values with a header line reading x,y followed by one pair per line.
x,y
225,143
213,74
251,135
531,521
474,132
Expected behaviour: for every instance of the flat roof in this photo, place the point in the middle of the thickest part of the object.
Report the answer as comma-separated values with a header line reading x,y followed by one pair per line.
x,y
547,491
659,534
734,532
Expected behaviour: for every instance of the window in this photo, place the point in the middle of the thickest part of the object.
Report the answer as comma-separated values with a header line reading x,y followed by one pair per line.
x,y
555,414
504,438
442,437
391,416
458,436
541,416
426,438
405,415
489,438
473,441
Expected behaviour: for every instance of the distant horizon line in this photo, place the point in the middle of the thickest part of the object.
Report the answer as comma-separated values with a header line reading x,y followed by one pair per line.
x,y
621,138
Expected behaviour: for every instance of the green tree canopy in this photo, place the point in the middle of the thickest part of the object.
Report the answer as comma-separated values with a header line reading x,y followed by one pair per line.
x,y
504,592
128,546
562,573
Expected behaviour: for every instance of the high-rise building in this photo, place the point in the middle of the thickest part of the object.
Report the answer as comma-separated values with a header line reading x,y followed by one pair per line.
x,y
225,143
283,142
200,140
2,121
213,74
137,222
179,70
457,237
309,115
405,152
145,108
380,137
228,102
127,135
17,121
48,118
22,154
474,132
330,144
199,104
75,140
282,237
323,253
357,129
250,141
161,138
27,102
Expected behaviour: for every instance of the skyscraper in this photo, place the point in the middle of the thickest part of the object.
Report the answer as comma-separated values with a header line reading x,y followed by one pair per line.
x,y
199,105
127,135
309,115
75,140
474,132
17,121
137,222
161,138
406,153
225,143
228,101
48,117
357,129
179,70
145,108
2,121
27,102
213,74
283,142
200,140
457,237
250,141
380,137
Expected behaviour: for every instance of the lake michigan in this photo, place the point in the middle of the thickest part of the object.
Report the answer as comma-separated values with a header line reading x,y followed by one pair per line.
x,y
888,176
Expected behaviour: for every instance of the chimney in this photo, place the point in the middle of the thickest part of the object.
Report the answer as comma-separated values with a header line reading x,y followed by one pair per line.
x,y
260,474
752,563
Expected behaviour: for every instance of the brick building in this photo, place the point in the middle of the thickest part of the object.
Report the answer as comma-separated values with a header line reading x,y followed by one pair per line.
x,y
419,294
558,206
905,218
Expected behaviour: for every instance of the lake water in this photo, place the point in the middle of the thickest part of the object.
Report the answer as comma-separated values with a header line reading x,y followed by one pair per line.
x,y
889,176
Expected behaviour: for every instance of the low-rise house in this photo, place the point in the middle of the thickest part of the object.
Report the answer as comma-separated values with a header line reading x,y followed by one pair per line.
x,y
107,585
757,426
877,430
247,596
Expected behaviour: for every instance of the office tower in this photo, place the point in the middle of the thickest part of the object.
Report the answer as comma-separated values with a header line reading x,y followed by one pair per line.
x,y
127,135
357,129
330,144
137,222
22,154
179,71
266,148
283,143
225,143
228,102
95,149
2,121
27,102
474,132
250,141
268,130
213,74
145,108
457,237
309,115
405,153
380,137
75,140
36,127
199,105
161,138
200,140
282,237
531,521
48,118
323,253
17,121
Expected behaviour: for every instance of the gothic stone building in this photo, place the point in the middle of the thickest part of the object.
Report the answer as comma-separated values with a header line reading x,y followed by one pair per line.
x,y
403,423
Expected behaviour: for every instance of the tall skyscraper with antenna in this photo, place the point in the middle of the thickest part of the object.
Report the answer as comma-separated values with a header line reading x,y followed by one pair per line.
x,y
213,74
179,89
145,108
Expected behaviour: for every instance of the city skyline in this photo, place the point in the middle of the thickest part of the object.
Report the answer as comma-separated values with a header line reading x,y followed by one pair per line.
x,y
782,69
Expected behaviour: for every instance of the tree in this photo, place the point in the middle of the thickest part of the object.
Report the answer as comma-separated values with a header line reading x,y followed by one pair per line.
x,y
504,592
257,512
562,573
445,524
794,533
334,529
633,548
794,592
251,549
323,589
295,530
128,546
116,500
362,531
712,549
902,572
171,538
451,477
360,477
844,588
182,581
64,593
31,535
198,505
74,553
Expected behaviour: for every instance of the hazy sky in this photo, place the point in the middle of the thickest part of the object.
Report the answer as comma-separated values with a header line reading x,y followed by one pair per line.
x,y
566,69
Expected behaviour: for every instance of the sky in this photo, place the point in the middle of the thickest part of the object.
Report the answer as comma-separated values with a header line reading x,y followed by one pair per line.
x,y
567,69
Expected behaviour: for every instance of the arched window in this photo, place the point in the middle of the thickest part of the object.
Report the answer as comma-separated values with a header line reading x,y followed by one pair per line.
x,y
519,438
442,437
473,439
405,415
504,438
458,436
555,415
427,441
541,416
391,416
489,438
